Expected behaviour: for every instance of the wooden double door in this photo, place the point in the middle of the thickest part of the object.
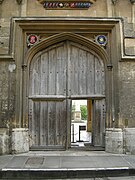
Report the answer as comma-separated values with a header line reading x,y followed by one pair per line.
x,y
58,74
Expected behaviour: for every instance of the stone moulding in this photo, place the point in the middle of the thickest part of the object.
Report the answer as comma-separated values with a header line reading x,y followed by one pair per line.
x,y
10,55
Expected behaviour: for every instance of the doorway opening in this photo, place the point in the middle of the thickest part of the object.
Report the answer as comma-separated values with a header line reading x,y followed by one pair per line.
x,y
88,124
81,123
59,74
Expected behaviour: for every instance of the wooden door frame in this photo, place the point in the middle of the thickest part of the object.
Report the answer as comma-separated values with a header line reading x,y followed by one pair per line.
x,y
74,29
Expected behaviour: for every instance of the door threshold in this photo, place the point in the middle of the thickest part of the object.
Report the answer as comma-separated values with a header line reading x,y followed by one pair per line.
x,y
89,148
47,148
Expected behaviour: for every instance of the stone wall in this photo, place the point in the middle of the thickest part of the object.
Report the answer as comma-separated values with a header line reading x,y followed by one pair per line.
x,y
126,94
7,94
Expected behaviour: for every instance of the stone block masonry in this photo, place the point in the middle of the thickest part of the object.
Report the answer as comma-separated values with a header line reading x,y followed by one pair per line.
x,y
4,141
120,141
20,140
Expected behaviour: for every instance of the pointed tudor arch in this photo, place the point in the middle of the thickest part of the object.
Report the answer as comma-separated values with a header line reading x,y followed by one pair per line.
x,y
48,107
67,36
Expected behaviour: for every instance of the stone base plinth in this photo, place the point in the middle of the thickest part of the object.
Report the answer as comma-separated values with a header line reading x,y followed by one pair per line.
x,y
120,140
4,141
129,140
114,140
20,140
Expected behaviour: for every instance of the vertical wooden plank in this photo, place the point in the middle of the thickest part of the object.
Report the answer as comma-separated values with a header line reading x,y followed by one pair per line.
x,y
64,119
99,122
89,115
99,76
44,74
36,71
67,116
31,123
70,67
82,72
75,60
51,122
90,75
52,72
42,135
68,75
96,123
61,55
60,121
103,79
36,120
73,70
103,117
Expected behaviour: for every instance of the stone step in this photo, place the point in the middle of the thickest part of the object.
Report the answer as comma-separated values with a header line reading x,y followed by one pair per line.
x,y
66,173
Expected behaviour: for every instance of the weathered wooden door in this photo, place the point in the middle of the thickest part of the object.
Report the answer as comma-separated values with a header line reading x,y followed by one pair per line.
x,y
98,129
58,74
86,80
48,124
86,76
47,98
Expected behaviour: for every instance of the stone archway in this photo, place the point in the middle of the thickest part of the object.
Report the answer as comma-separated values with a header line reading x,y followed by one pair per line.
x,y
66,67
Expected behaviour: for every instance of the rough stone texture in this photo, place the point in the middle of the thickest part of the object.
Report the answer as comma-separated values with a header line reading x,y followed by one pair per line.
x,y
4,43
129,29
120,141
7,94
114,140
20,140
4,141
126,93
12,9
4,35
129,140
